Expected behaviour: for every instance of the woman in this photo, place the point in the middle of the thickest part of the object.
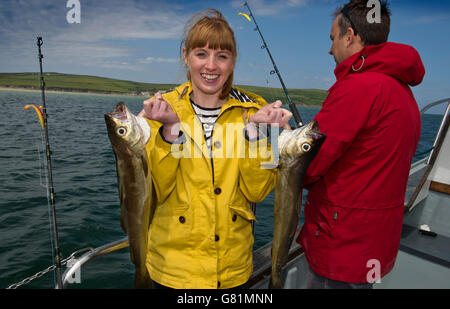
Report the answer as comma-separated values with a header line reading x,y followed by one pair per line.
x,y
205,174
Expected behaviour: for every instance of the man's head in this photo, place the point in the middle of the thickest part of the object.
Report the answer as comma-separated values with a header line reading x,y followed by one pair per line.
x,y
352,29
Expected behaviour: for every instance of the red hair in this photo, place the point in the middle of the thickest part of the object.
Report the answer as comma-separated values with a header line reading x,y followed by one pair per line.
x,y
210,28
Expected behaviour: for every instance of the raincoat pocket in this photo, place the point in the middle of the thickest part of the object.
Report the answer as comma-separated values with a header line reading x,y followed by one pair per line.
x,y
240,206
176,219
240,236
244,211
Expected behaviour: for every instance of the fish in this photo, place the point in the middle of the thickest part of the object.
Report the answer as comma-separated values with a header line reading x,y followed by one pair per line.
x,y
297,148
129,135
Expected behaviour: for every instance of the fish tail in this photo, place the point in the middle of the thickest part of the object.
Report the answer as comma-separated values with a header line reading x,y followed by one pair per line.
x,y
275,277
142,280
275,281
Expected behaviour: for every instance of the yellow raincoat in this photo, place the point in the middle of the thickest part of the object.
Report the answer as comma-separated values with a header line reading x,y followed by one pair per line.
x,y
201,234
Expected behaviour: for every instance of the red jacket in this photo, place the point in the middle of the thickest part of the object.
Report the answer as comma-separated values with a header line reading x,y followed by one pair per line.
x,y
356,184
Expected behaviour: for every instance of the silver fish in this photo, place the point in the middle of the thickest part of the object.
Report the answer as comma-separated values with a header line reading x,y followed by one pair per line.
x,y
297,149
129,135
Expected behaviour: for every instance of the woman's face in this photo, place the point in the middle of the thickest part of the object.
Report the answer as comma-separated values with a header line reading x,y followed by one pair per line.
x,y
209,68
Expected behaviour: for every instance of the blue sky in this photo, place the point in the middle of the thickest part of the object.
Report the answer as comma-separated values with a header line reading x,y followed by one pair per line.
x,y
139,40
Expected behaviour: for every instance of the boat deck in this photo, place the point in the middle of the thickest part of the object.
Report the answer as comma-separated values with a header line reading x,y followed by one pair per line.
x,y
413,272
423,261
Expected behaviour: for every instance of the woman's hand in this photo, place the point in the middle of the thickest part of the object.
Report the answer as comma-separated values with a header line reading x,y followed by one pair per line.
x,y
158,109
273,115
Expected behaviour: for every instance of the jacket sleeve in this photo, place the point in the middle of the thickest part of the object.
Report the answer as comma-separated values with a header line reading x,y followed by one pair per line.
x,y
164,162
343,115
257,172
257,169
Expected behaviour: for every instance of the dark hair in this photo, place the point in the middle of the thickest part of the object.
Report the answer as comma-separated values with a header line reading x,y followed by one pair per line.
x,y
354,15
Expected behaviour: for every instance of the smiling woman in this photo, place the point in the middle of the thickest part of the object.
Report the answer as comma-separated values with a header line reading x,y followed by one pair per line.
x,y
201,233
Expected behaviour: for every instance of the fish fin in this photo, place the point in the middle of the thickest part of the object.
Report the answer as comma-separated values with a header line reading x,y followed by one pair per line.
x,y
183,92
123,220
145,164
153,203
244,115
123,211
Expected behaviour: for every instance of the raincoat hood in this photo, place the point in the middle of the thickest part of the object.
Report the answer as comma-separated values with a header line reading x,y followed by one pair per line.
x,y
400,61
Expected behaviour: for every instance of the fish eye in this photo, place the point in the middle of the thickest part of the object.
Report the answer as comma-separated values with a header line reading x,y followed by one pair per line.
x,y
121,131
306,147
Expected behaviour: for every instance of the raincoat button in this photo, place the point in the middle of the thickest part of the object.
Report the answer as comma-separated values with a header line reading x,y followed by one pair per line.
x,y
217,238
234,218
218,284
217,144
182,219
217,191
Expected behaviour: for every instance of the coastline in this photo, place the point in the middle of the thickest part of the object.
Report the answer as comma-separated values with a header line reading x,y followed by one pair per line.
x,y
59,91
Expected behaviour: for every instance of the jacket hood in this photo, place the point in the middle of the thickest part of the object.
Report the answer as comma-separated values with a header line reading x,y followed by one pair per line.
x,y
400,61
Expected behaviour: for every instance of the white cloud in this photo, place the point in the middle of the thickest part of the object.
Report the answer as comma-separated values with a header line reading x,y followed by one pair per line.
x,y
159,60
127,21
122,65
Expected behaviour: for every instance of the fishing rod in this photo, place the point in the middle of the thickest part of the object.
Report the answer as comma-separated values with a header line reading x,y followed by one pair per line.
x,y
292,106
50,187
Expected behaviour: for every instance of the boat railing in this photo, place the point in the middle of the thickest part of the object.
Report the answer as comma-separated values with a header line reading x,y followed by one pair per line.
x,y
421,188
428,106
92,255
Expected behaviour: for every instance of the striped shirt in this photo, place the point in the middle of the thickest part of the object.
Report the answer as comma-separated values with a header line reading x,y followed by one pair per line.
x,y
207,117
236,94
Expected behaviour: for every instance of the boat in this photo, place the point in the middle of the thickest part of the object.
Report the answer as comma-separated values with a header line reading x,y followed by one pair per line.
x,y
423,260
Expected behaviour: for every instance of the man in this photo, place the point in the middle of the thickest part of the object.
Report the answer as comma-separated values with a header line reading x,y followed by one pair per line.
x,y
357,182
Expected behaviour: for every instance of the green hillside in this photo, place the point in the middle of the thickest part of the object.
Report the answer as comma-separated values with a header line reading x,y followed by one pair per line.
x,y
95,84
78,83
298,96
